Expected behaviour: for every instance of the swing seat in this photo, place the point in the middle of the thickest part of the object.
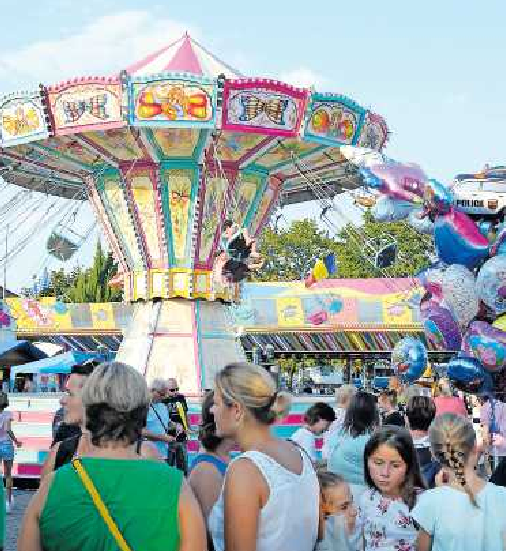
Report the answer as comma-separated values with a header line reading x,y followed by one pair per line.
x,y
386,255
61,246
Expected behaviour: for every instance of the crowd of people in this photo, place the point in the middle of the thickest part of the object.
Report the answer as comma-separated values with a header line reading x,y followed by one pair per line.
x,y
388,478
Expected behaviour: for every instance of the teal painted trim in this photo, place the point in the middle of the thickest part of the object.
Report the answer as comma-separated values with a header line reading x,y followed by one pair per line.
x,y
192,213
153,143
256,201
225,335
201,143
167,216
60,155
199,346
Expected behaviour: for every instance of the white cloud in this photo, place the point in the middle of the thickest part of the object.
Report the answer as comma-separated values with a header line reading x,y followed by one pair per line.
x,y
304,77
105,46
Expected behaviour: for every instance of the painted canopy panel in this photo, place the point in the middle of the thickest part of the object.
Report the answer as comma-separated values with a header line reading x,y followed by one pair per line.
x,y
112,193
85,105
119,144
23,118
282,153
178,186
233,146
175,143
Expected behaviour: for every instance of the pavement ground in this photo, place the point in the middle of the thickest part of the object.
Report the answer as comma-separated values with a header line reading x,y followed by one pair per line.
x,y
13,520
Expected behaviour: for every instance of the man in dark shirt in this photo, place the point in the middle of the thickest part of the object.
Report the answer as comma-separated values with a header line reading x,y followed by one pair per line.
x,y
390,413
178,416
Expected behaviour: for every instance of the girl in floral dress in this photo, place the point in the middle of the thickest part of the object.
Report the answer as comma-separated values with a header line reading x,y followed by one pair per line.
x,y
394,481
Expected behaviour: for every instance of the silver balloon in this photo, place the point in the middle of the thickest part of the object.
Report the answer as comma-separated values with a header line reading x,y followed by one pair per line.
x,y
459,293
422,225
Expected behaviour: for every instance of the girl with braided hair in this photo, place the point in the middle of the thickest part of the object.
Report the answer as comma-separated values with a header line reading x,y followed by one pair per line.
x,y
467,514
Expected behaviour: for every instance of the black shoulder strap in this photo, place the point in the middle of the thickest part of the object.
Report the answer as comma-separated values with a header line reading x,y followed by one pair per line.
x,y
66,451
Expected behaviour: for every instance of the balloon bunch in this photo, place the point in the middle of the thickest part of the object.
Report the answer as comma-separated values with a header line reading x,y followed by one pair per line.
x,y
464,307
465,311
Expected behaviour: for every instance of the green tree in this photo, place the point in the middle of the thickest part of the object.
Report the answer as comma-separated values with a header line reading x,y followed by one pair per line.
x,y
356,249
92,285
290,253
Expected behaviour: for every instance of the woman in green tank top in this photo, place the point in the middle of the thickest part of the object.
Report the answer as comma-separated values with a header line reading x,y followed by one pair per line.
x,y
151,504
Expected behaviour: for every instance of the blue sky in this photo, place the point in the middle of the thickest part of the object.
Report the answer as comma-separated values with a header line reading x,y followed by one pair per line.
x,y
434,70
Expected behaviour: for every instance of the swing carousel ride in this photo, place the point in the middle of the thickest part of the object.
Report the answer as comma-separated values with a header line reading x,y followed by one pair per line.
x,y
166,153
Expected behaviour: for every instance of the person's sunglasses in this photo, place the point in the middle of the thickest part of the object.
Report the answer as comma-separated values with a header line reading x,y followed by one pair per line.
x,y
173,389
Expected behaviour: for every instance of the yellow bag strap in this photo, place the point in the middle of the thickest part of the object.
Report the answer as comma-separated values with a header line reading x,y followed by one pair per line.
x,y
182,414
100,505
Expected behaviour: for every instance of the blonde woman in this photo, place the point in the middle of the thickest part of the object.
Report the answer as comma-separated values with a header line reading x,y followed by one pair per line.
x,y
270,499
151,504
344,394
467,514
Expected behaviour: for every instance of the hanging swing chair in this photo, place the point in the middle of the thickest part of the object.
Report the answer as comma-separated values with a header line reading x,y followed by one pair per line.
x,y
386,254
64,242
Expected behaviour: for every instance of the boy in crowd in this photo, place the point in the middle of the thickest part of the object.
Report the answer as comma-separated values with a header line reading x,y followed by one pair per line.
x,y
317,420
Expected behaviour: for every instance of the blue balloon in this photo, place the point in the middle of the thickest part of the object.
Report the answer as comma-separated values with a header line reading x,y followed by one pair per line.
x,y
330,263
370,180
409,358
466,373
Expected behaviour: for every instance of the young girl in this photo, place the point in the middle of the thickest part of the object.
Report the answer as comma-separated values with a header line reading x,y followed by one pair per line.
x,y
7,447
393,478
467,513
337,514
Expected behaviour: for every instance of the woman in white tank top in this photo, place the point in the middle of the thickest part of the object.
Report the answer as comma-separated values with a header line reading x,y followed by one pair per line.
x,y
270,498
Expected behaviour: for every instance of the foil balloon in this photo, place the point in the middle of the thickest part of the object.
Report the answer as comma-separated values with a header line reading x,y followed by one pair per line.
x,y
458,240
388,210
441,328
466,373
487,344
499,245
500,322
419,222
491,284
459,293
409,358
404,182
432,281
437,198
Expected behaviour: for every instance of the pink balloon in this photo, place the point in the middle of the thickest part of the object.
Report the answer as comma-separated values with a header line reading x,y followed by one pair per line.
x,y
401,181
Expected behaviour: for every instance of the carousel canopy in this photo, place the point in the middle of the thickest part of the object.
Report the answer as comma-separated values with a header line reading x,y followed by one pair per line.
x,y
170,147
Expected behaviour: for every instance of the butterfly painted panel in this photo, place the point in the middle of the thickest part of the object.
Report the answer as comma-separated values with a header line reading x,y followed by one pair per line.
x,y
22,119
178,190
263,107
77,107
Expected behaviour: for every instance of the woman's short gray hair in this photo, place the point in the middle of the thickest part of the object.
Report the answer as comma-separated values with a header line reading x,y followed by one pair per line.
x,y
116,401
118,385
